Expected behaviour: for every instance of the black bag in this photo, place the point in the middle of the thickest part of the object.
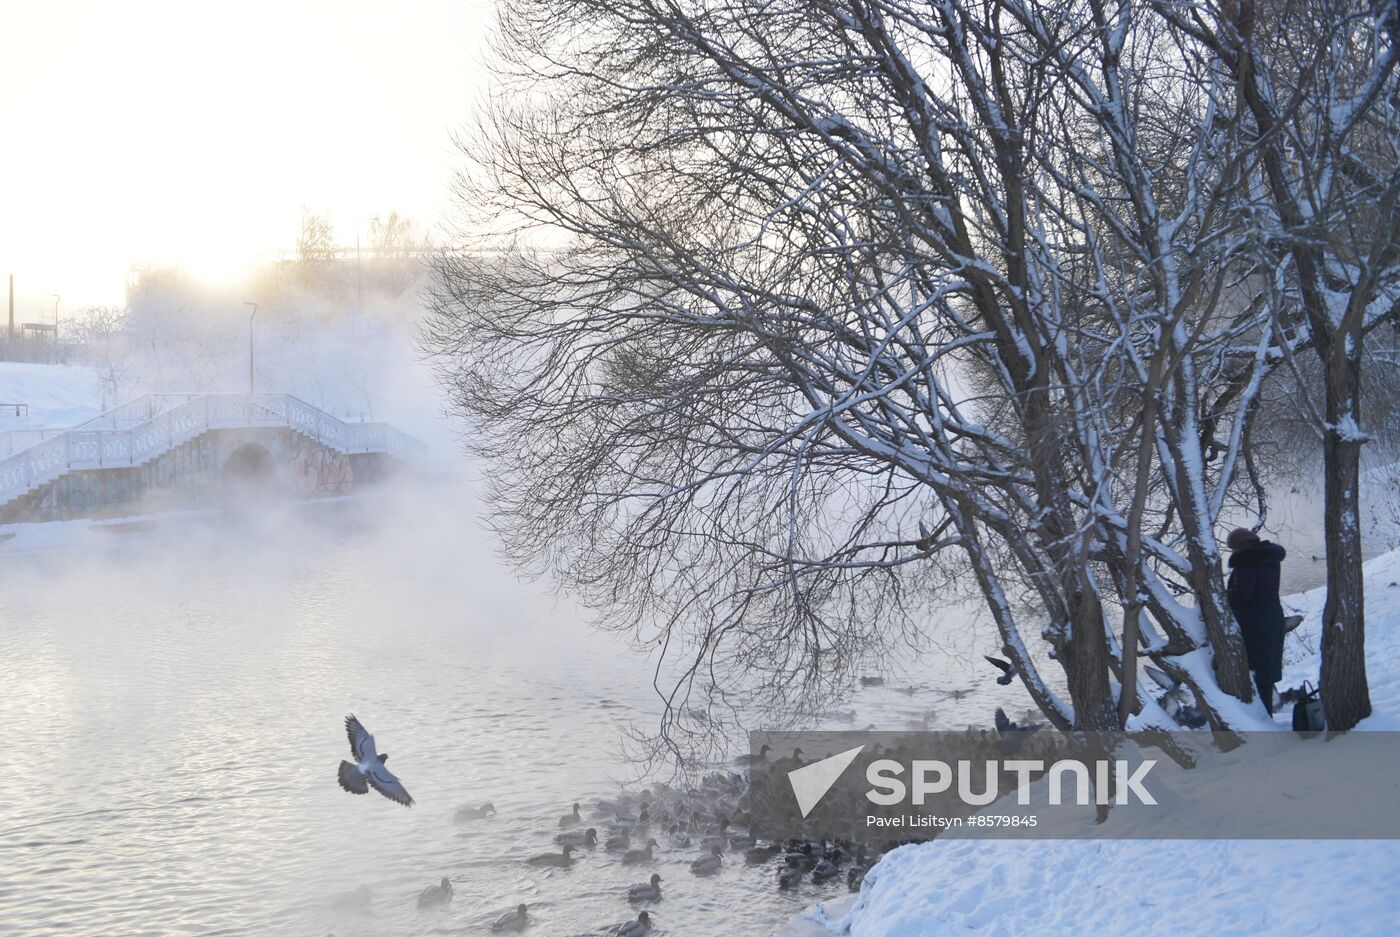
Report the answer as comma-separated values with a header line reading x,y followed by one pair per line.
x,y
1307,711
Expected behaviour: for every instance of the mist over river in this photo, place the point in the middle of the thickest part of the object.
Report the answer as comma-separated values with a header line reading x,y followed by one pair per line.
x,y
173,707
173,718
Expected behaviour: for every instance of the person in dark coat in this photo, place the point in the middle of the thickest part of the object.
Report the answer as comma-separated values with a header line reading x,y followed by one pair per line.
x,y
1253,592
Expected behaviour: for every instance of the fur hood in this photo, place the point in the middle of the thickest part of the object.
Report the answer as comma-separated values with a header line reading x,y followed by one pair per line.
x,y
1265,551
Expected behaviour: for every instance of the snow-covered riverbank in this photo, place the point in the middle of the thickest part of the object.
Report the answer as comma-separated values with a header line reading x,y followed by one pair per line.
x,y
1230,888
46,396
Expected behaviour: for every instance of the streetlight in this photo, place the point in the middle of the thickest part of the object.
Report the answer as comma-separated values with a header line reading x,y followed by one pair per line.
x,y
250,345
55,318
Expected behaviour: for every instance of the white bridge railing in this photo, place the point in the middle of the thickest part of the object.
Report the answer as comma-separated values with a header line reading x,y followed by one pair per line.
x,y
144,428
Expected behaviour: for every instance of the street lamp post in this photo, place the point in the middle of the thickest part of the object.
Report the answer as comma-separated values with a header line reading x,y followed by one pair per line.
x,y
250,345
55,318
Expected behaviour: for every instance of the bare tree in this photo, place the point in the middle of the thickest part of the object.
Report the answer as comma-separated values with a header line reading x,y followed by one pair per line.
x,y
315,241
1316,85
102,334
396,249
781,320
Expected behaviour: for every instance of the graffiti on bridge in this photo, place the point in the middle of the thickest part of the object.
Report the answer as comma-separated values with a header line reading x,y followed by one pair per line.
x,y
321,471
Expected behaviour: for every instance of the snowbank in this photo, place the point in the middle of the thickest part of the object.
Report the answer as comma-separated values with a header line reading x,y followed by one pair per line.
x,y
57,395
1231,888
1382,639
1047,888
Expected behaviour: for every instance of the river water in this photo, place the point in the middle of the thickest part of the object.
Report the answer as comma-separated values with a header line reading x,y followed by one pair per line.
x,y
173,712
173,705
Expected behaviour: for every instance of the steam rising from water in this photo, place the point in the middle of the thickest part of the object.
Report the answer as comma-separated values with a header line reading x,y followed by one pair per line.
x,y
177,686
176,724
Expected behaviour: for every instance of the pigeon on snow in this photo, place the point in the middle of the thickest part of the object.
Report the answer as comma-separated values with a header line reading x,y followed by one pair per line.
x,y
369,769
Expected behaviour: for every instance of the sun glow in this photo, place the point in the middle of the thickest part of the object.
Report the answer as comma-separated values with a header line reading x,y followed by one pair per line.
x,y
162,132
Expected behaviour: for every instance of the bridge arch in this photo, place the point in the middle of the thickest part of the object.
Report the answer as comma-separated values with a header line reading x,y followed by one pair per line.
x,y
249,470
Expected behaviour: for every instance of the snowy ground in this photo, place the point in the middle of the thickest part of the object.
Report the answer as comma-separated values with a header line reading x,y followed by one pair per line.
x,y
57,395
1229,888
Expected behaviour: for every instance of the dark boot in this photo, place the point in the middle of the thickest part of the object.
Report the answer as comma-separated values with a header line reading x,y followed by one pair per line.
x,y
1266,691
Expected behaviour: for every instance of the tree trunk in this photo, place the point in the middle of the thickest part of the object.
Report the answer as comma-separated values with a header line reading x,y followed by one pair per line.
x,y
1230,662
1086,653
1346,696
1087,670
1132,604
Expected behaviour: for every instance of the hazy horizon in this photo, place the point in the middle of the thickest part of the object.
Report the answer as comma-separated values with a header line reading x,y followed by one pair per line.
x,y
157,133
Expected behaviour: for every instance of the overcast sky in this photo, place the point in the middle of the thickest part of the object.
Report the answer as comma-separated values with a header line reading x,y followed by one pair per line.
x,y
193,133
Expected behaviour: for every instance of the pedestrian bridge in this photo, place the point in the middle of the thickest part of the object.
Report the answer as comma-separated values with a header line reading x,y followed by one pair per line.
x,y
163,451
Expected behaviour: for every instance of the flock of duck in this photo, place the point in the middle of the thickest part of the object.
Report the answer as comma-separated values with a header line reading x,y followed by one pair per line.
x,y
709,819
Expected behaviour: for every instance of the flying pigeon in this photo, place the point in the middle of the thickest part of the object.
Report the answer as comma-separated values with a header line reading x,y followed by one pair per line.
x,y
1008,670
1163,679
369,770
1177,700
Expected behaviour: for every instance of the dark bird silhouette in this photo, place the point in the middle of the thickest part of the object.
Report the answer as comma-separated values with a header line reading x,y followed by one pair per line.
x,y
748,759
487,809
513,920
440,893
634,856
1004,723
1008,671
1177,699
1163,679
562,859
588,837
707,865
369,769
925,542
792,763
647,891
758,854
633,928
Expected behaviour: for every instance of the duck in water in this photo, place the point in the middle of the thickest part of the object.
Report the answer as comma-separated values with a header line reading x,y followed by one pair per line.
x,y
647,891
440,893
513,920
561,860
633,928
